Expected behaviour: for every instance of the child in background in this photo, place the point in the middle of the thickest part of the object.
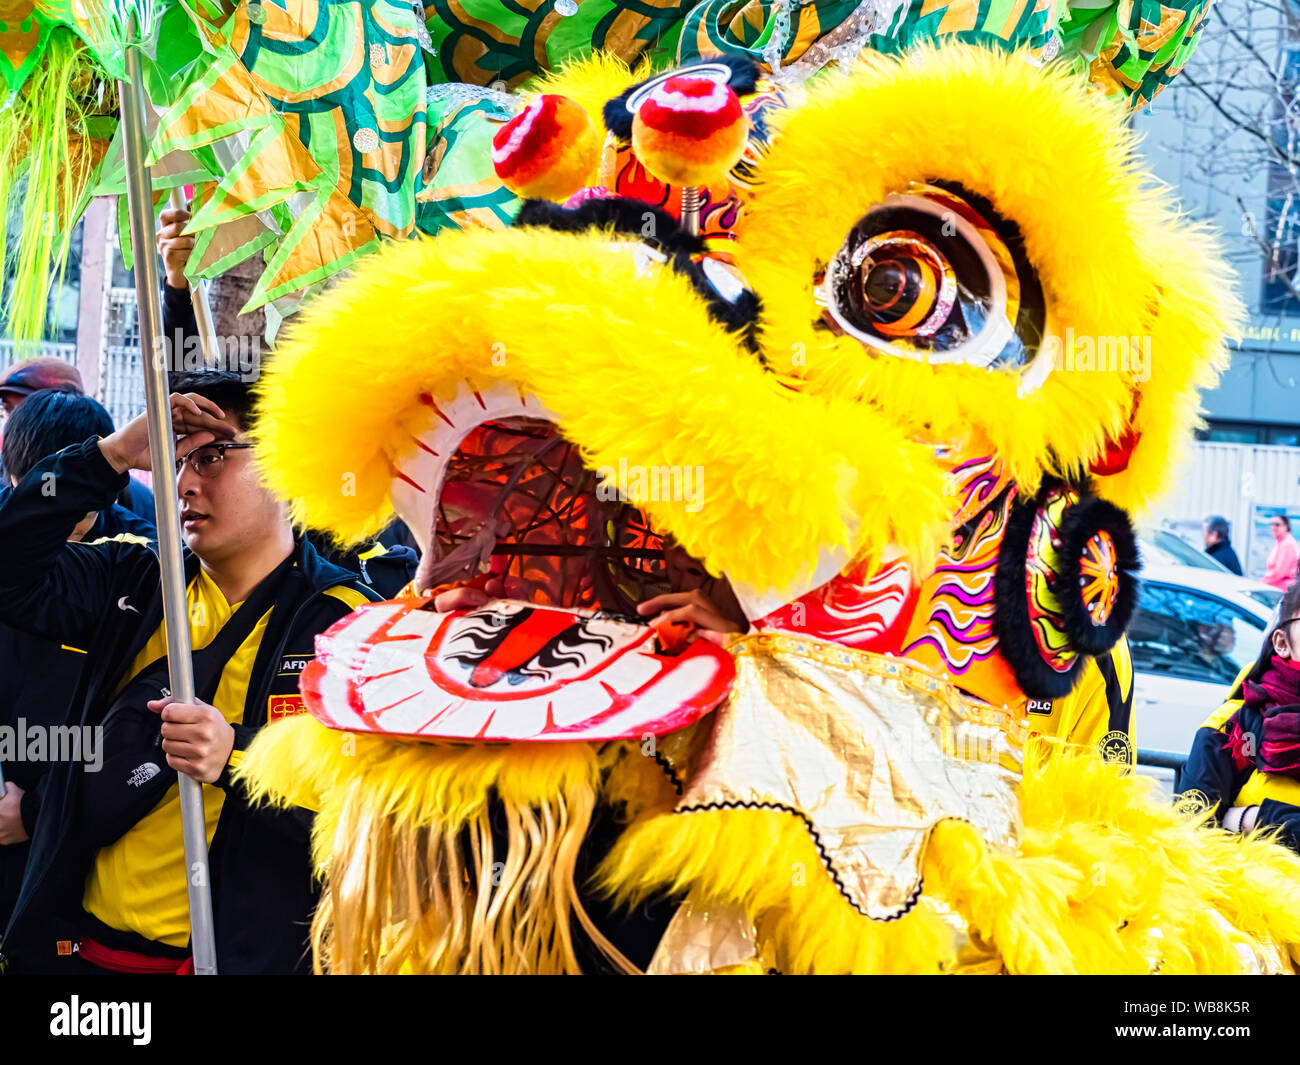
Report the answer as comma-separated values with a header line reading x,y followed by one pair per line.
x,y
1245,760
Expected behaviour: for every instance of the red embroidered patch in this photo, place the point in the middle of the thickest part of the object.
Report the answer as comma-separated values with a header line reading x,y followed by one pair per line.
x,y
278,706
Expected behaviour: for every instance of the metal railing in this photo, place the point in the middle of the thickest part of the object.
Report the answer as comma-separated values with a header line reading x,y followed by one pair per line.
x,y
123,325
121,382
12,351
1164,760
121,377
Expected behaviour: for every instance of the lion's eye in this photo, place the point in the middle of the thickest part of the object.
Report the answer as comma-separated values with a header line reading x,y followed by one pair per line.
x,y
927,275
901,285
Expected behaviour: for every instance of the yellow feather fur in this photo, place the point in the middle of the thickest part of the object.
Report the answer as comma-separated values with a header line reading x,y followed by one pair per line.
x,y
564,316
1108,878
634,369
405,842
1113,253
591,82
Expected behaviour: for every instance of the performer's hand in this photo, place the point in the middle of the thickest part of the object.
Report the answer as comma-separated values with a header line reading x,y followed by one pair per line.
x,y
693,606
464,597
11,818
197,739
173,246
472,595
195,421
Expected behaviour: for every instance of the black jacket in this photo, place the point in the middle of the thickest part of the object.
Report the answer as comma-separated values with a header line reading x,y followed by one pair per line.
x,y
1224,555
106,599
117,520
136,499
38,679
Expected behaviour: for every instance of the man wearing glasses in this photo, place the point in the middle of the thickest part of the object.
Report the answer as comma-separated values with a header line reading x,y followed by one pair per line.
x,y
106,886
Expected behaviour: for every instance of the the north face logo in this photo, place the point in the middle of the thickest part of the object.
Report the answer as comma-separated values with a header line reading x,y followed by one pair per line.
x,y
142,773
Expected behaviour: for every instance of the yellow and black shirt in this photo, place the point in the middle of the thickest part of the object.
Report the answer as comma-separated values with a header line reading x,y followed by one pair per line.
x,y
1098,712
138,883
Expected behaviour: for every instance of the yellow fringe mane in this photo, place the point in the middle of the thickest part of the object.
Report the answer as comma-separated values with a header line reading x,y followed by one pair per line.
x,y
403,840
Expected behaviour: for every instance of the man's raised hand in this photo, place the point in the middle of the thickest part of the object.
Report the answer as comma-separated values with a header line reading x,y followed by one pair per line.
x,y
195,421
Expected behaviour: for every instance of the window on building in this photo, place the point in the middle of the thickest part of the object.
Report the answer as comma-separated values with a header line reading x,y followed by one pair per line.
x,y
1225,432
122,277
1231,433
62,303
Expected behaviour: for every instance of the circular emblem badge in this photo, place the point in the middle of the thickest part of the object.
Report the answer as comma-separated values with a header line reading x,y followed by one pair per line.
x,y
1192,801
1116,747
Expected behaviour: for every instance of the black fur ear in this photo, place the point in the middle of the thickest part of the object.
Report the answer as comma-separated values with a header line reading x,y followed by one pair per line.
x,y
618,214
1011,623
743,79
738,315
1080,595
735,311
1090,527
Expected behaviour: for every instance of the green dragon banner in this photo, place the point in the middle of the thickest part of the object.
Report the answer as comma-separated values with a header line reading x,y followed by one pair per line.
x,y
312,129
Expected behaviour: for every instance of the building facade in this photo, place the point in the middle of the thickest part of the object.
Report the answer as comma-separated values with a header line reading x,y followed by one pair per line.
x,y
93,319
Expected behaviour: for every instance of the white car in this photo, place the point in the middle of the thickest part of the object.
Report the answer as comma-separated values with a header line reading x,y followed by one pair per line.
x,y
1192,633
1160,547
1166,548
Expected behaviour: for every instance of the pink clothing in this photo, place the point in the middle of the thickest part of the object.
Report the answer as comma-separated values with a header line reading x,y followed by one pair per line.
x,y
1282,562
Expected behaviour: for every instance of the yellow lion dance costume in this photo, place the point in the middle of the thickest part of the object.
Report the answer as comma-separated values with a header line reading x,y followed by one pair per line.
x,y
892,368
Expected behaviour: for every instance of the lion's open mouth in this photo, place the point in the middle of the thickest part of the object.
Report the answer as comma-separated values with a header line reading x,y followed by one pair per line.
x,y
491,486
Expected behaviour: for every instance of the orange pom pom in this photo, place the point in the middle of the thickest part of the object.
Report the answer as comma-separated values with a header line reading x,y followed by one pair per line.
x,y
690,130
549,150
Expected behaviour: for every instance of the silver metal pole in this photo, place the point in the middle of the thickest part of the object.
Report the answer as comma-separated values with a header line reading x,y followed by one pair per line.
x,y
199,297
691,209
162,448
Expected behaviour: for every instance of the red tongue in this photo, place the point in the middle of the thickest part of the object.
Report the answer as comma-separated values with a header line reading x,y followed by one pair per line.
x,y
521,645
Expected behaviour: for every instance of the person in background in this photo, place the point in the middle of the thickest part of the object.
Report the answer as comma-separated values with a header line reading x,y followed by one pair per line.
x,y
50,420
45,373
1282,560
1217,545
106,883
38,677
36,375
1245,760
137,498
174,247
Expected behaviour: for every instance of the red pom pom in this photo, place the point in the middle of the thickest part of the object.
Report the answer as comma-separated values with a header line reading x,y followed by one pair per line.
x,y
690,130
549,150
